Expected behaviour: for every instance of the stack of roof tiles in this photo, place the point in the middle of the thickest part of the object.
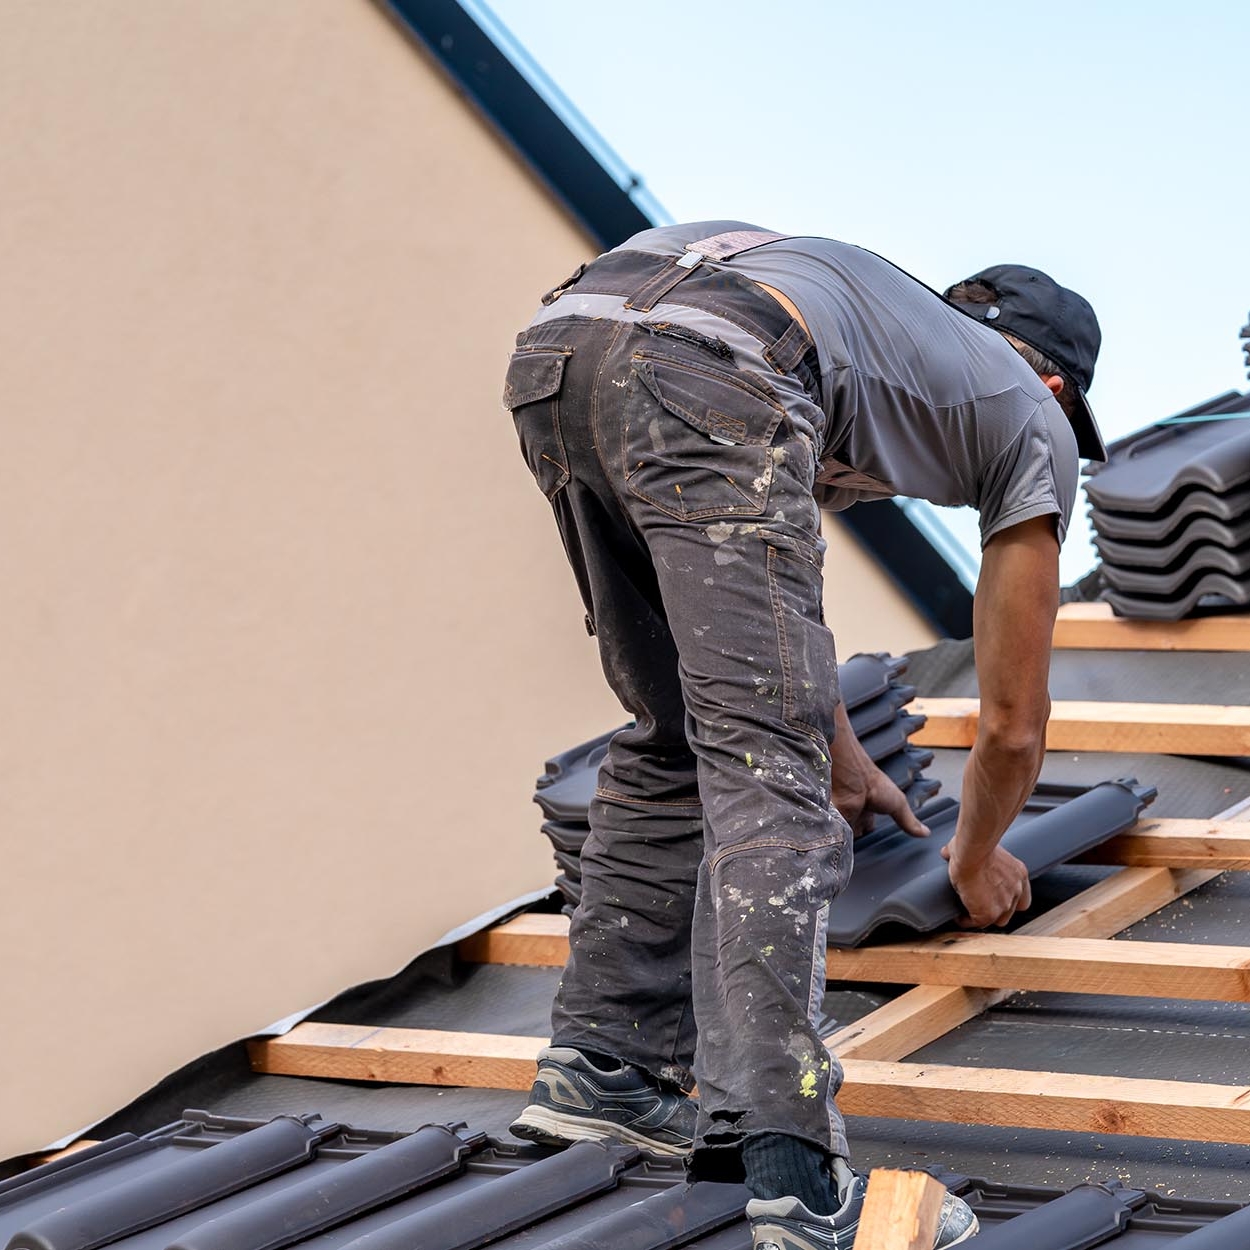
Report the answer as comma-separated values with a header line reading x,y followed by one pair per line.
x,y
875,699
1171,514
898,879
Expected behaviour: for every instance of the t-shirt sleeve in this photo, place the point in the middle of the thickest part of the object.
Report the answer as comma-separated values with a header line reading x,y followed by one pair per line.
x,y
1035,476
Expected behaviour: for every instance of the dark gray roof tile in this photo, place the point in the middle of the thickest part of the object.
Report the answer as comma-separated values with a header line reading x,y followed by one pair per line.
x,y
1145,470
1171,579
904,880
1205,591
1157,550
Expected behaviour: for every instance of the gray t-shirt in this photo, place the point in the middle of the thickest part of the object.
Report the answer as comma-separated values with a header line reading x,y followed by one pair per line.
x,y
919,399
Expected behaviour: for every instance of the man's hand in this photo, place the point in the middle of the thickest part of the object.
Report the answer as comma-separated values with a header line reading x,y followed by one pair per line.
x,y
861,791
992,889
863,796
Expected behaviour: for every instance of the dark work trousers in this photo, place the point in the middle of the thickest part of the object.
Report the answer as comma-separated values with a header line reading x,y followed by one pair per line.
x,y
675,430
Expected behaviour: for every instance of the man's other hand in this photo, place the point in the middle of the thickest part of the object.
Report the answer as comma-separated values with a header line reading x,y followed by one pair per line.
x,y
992,890
864,793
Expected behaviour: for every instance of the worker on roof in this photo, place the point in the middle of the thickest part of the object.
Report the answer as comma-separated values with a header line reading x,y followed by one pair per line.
x,y
687,403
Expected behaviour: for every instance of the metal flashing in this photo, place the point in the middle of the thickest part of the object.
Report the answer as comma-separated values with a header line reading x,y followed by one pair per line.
x,y
508,97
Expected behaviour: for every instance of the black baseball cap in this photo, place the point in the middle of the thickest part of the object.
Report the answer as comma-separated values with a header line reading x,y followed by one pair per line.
x,y
1058,322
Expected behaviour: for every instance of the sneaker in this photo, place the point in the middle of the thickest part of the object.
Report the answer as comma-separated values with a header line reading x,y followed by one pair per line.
x,y
572,1100
786,1224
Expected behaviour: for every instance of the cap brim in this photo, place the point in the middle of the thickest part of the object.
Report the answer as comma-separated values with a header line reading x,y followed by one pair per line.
x,y
1089,444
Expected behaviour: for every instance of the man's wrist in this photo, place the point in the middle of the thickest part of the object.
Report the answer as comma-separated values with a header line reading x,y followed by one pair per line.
x,y
965,858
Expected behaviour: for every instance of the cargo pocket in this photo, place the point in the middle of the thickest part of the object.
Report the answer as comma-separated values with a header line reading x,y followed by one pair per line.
x,y
809,666
532,393
696,440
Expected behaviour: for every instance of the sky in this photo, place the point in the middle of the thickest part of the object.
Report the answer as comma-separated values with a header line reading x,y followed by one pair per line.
x,y
1104,142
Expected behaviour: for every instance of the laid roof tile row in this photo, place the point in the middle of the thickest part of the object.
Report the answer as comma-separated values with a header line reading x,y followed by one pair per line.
x,y
210,1183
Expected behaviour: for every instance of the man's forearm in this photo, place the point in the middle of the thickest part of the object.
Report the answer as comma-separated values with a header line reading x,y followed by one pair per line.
x,y
999,777
1014,614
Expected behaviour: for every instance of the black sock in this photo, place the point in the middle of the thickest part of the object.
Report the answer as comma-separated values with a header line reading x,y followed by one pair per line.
x,y
779,1166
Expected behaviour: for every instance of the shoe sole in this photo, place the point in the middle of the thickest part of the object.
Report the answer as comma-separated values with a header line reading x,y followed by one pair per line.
x,y
551,1128
970,1232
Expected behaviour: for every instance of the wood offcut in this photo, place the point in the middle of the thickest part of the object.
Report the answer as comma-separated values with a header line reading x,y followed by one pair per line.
x,y
900,1212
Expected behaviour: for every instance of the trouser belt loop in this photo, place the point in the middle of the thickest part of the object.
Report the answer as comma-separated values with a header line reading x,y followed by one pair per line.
x,y
645,298
556,291
786,353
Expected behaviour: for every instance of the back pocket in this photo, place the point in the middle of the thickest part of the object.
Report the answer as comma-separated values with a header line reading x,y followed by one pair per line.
x,y
532,393
696,440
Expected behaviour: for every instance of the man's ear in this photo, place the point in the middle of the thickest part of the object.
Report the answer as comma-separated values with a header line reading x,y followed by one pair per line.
x,y
1054,381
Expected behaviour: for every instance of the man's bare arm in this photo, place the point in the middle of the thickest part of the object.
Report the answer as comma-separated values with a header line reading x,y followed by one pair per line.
x,y
1013,621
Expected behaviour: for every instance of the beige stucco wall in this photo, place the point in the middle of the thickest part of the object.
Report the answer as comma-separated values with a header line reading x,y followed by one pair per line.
x,y
285,636
863,607
285,631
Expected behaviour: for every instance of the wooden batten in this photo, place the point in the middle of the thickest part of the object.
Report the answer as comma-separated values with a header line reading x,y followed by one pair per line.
x,y
352,1052
1049,1100
1093,626
1055,964
1219,844
527,940
1067,1102
1146,728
